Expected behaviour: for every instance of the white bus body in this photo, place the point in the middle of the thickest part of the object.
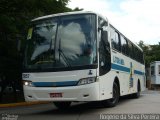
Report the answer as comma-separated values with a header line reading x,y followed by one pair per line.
x,y
155,72
93,83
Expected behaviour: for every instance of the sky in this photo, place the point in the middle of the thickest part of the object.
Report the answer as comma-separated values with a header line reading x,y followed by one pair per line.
x,y
136,19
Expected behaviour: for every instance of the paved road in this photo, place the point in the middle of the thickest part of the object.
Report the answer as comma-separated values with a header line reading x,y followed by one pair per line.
x,y
149,102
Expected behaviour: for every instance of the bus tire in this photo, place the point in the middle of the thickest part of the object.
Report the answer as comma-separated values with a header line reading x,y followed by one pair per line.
x,y
62,105
113,101
137,94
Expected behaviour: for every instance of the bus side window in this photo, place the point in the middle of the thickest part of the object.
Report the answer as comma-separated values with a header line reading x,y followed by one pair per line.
x,y
130,49
133,52
104,55
152,70
104,48
115,40
124,46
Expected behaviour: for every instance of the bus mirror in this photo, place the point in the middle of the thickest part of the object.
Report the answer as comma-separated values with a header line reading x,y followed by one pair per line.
x,y
104,36
100,29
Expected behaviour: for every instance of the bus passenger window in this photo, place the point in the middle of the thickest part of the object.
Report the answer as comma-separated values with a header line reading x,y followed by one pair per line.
x,y
152,70
115,40
124,45
130,49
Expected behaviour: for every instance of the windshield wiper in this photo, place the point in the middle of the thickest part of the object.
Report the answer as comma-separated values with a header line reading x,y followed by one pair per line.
x,y
61,53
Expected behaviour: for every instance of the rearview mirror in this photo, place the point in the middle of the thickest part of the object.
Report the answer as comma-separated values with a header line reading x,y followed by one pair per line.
x,y
104,36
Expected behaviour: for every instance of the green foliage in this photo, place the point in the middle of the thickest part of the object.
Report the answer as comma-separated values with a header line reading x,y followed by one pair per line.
x,y
15,14
14,18
151,52
78,9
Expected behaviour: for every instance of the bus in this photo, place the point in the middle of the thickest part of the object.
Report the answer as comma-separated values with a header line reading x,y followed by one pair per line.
x,y
79,57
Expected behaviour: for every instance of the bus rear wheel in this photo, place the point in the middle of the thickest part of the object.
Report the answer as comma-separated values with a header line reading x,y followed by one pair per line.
x,y
114,100
137,94
62,105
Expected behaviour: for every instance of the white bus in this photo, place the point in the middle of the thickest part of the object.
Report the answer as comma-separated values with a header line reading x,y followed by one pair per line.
x,y
155,73
80,56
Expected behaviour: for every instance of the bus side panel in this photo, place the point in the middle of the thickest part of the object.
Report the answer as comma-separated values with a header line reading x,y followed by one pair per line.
x,y
121,70
127,71
106,83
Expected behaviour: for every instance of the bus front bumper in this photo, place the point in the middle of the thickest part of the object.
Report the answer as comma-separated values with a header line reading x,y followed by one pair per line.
x,y
88,92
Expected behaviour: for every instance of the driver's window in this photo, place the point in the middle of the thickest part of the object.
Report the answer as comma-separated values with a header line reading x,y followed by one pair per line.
x,y
104,48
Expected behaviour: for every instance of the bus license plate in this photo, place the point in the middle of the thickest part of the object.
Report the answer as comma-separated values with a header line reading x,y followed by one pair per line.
x,y
53,95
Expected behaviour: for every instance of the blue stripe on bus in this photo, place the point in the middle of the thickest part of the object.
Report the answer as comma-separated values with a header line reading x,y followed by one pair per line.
x,y
55,84
74,83
138,72
121,68
126,69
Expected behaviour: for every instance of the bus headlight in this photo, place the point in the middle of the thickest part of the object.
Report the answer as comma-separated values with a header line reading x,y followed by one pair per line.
x,y
87,80
27,83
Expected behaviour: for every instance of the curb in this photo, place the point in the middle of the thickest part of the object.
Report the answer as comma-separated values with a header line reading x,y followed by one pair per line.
x,y
22,104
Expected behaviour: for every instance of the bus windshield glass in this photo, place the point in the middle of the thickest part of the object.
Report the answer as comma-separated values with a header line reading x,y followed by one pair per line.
x,y
61,42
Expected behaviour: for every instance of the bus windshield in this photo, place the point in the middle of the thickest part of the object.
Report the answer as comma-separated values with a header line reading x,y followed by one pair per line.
x,y
62,42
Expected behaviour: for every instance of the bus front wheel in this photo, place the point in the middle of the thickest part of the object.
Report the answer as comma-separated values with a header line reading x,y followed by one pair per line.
x,y
62,105
114,100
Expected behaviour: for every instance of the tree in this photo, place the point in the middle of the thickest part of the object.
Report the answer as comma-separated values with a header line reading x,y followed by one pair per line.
x,y
151,52
77,9
14,18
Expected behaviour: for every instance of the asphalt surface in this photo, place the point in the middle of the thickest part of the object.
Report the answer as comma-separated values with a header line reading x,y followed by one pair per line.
x,y
148,103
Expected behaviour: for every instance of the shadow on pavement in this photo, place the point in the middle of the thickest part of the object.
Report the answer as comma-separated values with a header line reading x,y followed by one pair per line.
x,y
79,108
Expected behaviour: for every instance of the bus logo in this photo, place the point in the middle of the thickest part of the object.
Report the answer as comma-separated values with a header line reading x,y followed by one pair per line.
x,y
118,60
90,72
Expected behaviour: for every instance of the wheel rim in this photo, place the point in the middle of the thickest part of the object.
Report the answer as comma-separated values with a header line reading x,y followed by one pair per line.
x,y
114,96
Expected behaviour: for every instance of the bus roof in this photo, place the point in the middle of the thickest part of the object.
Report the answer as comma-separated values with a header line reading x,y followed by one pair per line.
x,y
65,13
154,62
